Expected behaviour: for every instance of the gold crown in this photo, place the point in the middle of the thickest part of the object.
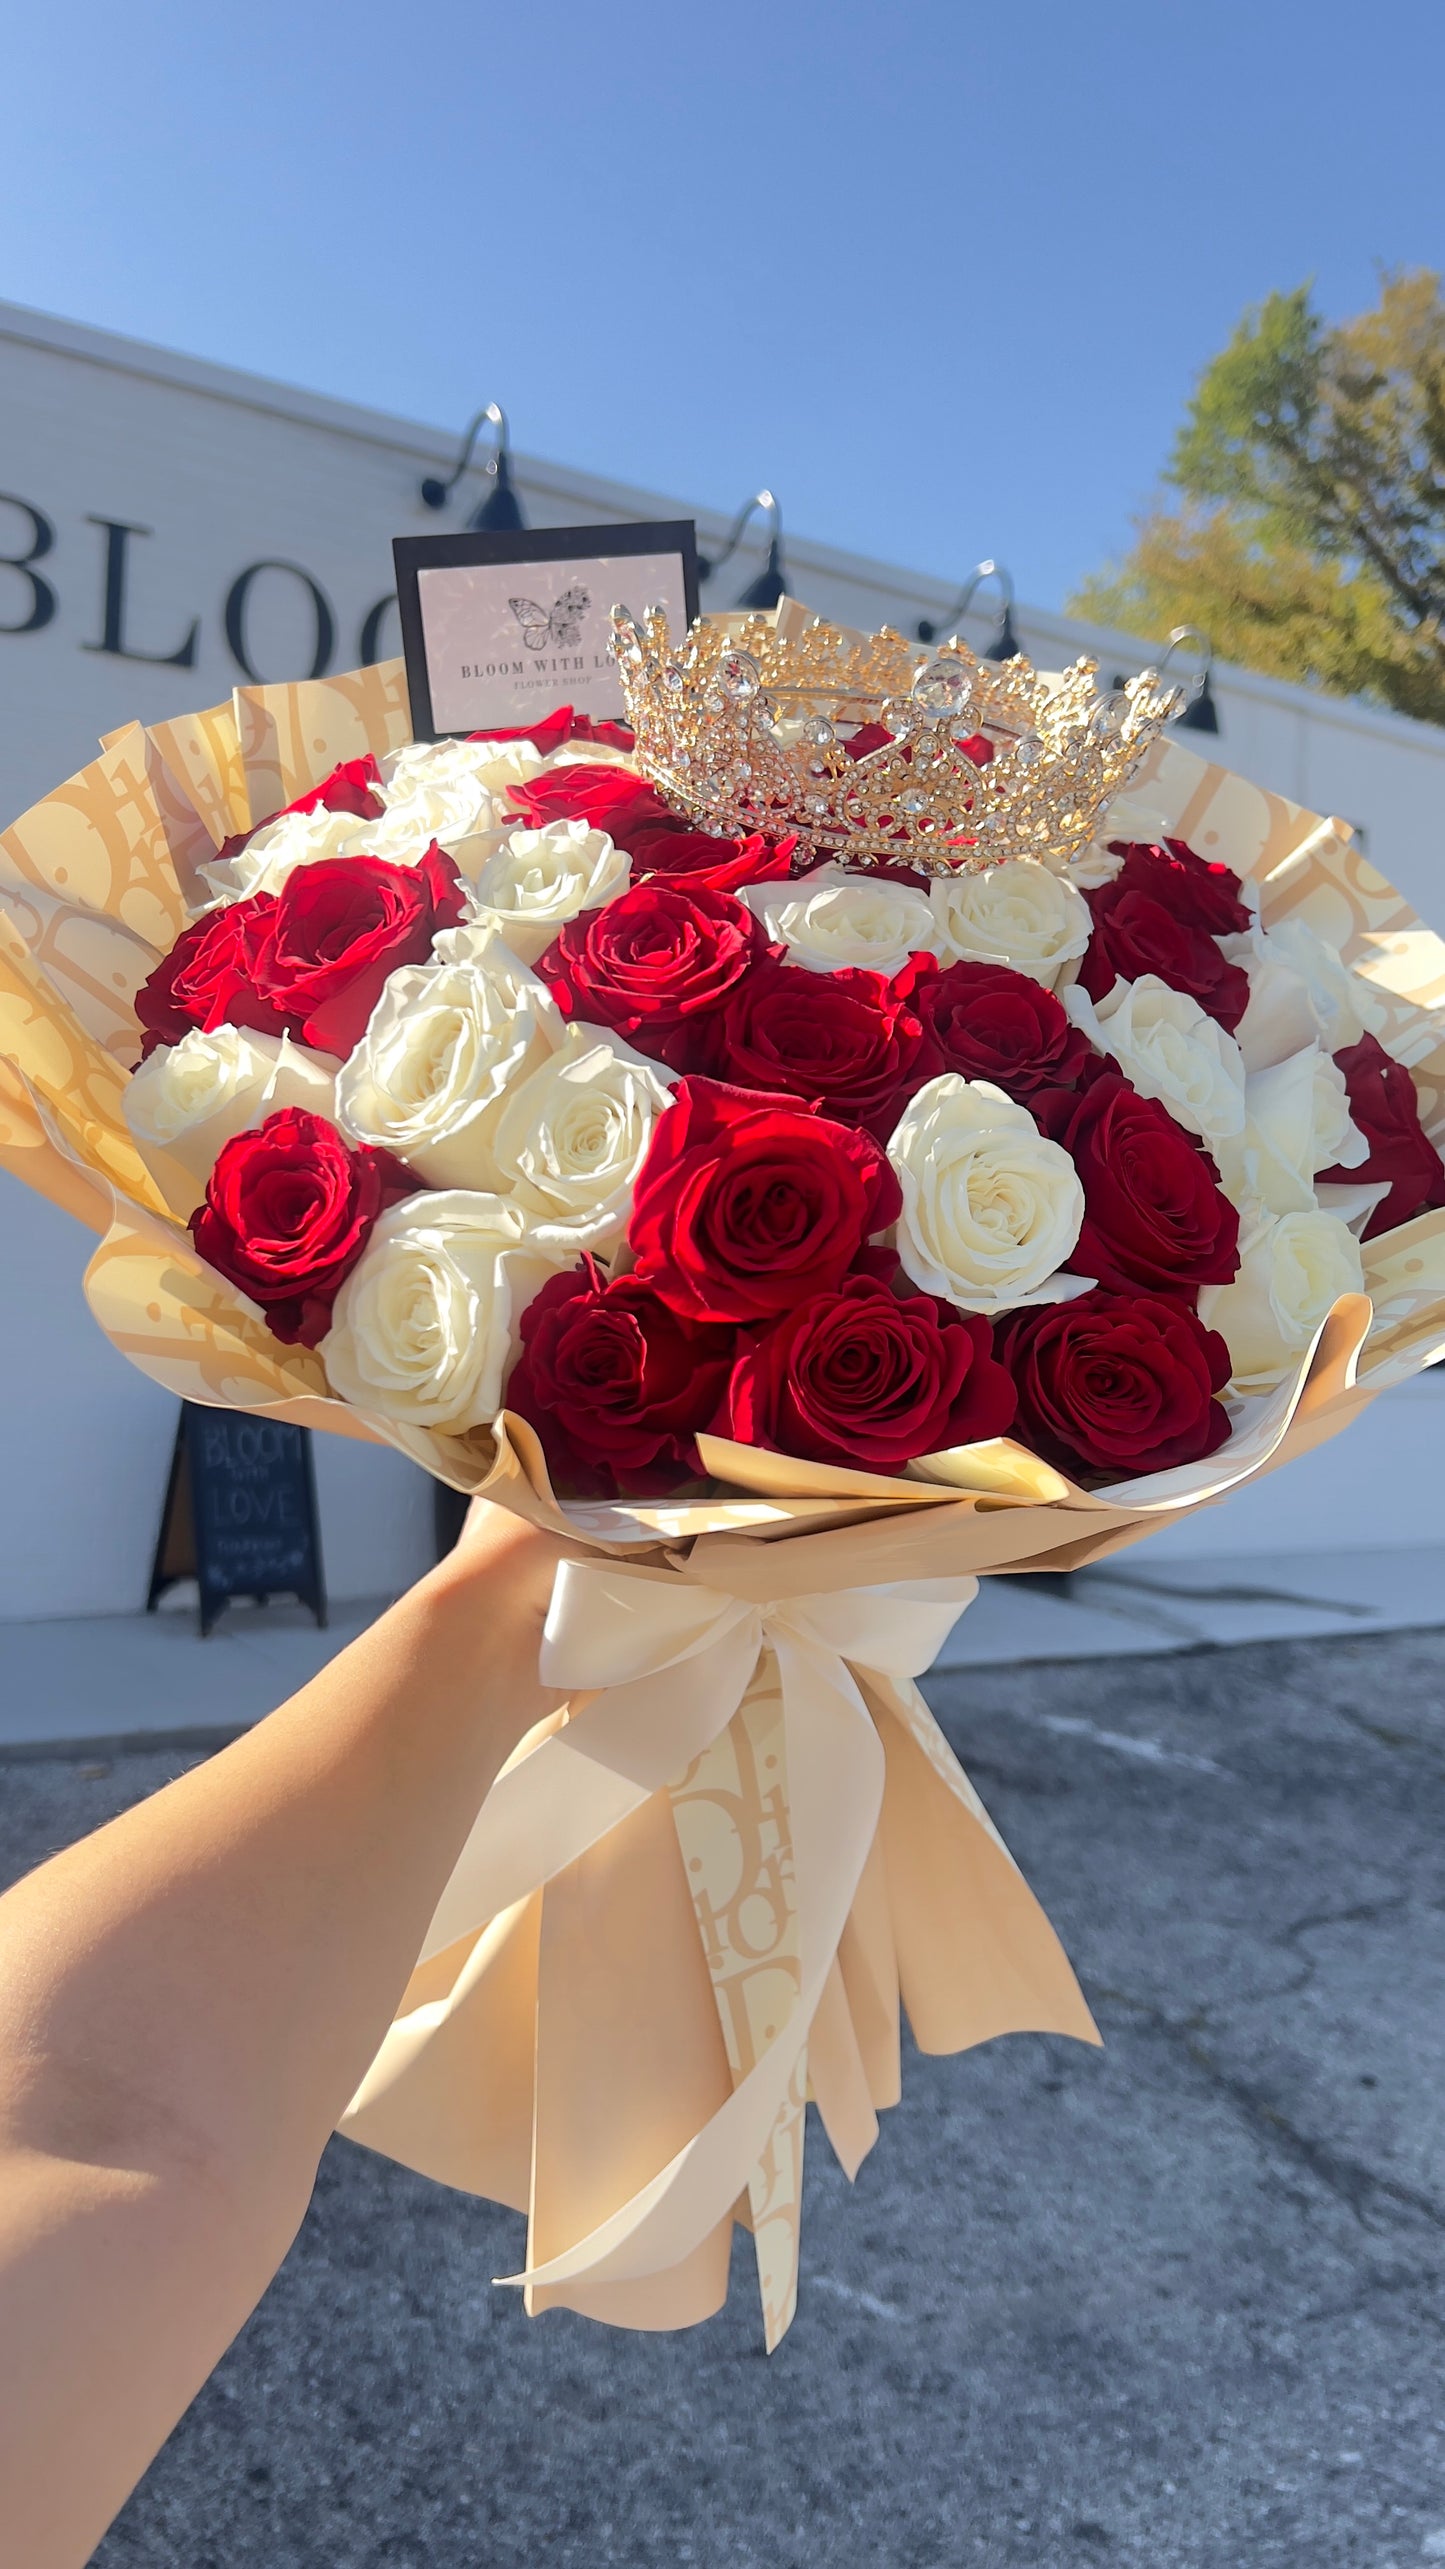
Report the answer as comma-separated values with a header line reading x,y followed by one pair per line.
x,y
743,727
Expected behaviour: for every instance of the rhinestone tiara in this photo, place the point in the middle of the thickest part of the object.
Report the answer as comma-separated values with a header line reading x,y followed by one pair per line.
x,y
745,725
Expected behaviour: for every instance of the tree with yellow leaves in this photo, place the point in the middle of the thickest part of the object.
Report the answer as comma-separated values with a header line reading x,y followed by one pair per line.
x,y
1309,540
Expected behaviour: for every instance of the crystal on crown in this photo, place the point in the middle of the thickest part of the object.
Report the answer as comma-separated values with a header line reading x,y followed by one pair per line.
x,y
747,725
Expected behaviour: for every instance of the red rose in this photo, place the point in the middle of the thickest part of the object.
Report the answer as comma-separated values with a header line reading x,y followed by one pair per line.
x,y
911,877
341,927
288,1210
1116,1382
616,1384
651,963
851,1042
209,978
870,736
719,864
987,1022
1197,892
553,731
607,798
1052,1108
1137,929
863,1378
1385,1106
745,1205
867,738
351,787
1154,1213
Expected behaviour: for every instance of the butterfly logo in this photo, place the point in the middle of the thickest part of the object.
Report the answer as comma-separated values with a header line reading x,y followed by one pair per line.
x,y
557,628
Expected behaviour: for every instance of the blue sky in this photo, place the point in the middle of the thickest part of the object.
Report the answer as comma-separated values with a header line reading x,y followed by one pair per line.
x,y
942,277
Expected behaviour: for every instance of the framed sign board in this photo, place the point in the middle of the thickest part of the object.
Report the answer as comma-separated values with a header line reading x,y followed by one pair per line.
x,y
240,1513
499,628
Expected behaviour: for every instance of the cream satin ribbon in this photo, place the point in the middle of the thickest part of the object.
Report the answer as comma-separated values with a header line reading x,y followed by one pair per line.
x,y
666,1662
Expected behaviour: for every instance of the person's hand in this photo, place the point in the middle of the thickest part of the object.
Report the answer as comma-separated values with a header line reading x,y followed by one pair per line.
x,y
494,1588
494,1544
189,1999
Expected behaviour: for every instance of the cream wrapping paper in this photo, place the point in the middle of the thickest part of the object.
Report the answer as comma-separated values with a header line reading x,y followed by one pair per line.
x,y
702,1894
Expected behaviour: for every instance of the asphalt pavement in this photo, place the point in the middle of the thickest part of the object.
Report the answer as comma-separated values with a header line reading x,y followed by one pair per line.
x,y
1177,2305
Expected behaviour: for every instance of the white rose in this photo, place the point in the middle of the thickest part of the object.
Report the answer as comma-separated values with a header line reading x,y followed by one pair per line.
x,y
1135,820
447,790
574,1135
1292,1268
460,767
1353,1204
1279,1020
1296,1122
834,921
1019,914
467,825
191,1098
991,1209
538,879
1296,979
274,852
589,753
1096,864
1131,820
1337,1139
425,1327
1171,1049
445,1043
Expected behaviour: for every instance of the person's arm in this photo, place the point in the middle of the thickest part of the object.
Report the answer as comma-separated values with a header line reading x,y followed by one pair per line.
x,y
188,2000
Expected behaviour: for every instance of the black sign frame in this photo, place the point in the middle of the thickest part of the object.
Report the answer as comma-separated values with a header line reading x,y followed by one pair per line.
x,y
513,548
240,1513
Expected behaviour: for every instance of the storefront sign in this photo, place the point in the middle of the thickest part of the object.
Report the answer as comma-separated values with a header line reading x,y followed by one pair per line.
x,y
240,1513
120,595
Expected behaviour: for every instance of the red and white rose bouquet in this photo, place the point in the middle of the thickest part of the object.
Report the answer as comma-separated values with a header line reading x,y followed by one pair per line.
x,y
808,1240
503,1087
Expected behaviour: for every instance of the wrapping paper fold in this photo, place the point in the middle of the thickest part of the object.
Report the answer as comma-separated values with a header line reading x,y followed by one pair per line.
x,y
702,1896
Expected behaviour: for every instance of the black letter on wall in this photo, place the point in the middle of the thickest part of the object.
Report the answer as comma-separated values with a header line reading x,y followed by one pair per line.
x,y
42,539
370,646
235,619
112,637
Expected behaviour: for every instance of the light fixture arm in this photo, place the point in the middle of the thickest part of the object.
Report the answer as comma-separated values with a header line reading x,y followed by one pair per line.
x,y
435,492
707,564
1201,712
929,628
1198,678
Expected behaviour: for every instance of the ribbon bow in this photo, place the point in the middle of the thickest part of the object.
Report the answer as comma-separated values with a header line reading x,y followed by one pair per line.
x,y
677,1673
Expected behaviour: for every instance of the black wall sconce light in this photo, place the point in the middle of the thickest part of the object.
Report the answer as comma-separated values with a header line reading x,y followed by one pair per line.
x,y
1005,644
772,581
1201,713
500,510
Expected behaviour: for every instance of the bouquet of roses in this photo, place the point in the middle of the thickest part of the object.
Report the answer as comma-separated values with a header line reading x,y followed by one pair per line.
x,y
695,1192
502,1087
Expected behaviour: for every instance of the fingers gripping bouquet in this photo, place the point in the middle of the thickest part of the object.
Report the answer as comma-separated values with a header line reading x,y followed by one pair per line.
x,y
808,1239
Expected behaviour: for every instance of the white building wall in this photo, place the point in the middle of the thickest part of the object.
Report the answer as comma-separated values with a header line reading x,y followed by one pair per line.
x,y
218,472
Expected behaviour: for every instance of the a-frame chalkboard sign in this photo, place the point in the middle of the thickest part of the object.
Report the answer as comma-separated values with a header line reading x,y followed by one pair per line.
x,y
240,1513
